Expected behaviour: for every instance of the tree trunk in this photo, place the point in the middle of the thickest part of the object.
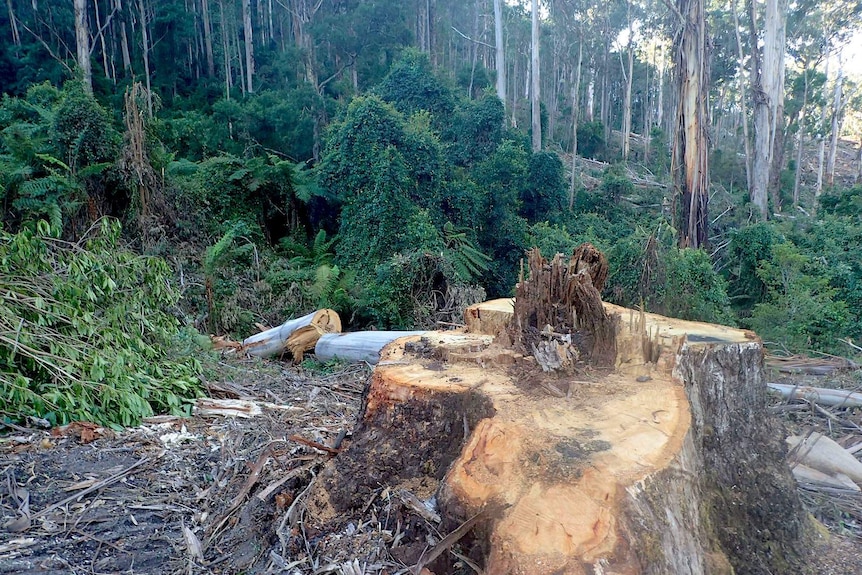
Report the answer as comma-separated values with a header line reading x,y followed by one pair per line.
x,y
535,97
627,97
249,45
661,463
124,39
145,41
13,22
836,126
576,112
296,335
82,41
208,39
800,138
500,58
690,154
768,93
743,100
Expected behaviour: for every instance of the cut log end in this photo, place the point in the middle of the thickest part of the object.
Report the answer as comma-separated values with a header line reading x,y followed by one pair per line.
x,y
660,462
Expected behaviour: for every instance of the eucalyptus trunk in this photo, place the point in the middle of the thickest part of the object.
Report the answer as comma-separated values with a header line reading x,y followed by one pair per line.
x,y
768,92
249,45
743,101
690,154
837,105
13,22
627,99
536,86
500,59
576,90
208,37
800,139
145,40
82,41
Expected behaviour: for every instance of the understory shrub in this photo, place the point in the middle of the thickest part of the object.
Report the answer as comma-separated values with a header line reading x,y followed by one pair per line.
x,y
86,331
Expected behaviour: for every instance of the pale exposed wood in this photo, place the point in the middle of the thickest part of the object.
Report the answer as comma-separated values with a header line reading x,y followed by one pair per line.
x,y
357,346
500,58
821,395
823,454
535,87
578,474
809,475
82,40
296,335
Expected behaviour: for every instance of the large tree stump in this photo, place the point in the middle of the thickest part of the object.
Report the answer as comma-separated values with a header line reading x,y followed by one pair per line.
x,y
661,462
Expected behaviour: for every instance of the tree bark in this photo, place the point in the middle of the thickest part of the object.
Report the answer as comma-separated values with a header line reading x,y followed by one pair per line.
x,y
576,112
296,335
663,464
208,40
743,100
627,97
124,39
690,161
82,41
13,23
500,57
800,138
837,106
535,96
249,45
768,93
145,42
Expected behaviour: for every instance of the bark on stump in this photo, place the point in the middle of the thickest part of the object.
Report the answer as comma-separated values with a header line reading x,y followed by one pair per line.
x,y
661,463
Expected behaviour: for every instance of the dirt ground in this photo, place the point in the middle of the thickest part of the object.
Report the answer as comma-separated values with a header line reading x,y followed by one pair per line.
x,y
214,494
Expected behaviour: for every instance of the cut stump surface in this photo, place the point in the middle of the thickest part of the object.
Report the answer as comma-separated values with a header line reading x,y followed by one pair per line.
x,y
659,464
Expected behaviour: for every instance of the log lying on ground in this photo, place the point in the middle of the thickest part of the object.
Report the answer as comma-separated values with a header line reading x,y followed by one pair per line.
x,y
823,454
357,345
662,462
820,395
296,335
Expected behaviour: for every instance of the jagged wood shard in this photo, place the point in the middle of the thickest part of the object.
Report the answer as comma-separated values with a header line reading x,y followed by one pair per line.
x,y
657,461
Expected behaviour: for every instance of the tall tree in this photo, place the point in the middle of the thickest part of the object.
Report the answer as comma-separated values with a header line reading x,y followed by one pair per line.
x,y
500,50
690,154
208,40
768,93
82,41
535,90
248,33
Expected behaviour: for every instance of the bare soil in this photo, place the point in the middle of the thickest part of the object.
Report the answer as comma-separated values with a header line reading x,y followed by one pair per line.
x,y
215,494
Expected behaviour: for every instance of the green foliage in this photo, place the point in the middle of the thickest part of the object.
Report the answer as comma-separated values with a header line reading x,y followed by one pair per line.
x,y
616,184
748,247
467,261
591,139
693,290
476,131
85,331
411,86
842,202
544,196
801,312
83,129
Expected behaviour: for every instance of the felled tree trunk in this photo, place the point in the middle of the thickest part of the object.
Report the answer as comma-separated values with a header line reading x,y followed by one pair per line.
x,y
296,335
661,461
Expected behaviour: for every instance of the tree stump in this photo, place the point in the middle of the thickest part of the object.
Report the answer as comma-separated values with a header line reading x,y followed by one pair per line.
x,y
658,459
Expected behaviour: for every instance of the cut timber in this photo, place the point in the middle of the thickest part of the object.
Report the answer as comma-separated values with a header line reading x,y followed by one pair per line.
x,y
358,345
821,395
295,335
662,463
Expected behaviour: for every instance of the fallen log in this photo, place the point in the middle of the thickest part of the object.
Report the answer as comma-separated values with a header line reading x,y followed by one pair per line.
x,y
820,395
823,454
357,345
660,462
296,335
